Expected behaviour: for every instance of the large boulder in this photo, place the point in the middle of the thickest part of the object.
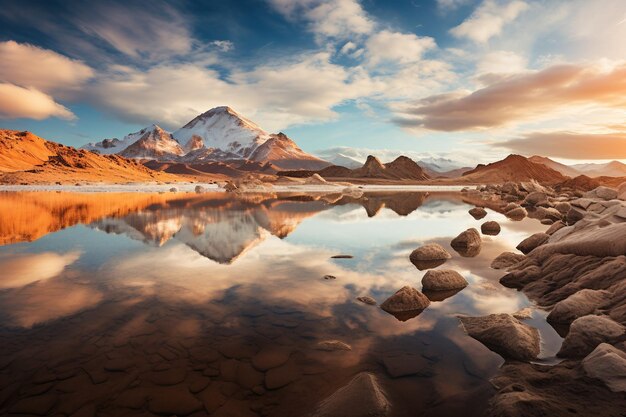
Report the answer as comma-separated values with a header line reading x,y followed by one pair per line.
x,y
574,215
429,256
579,304
443,280
491,228
517,213
608,364
602,192
527,245
563,207
478,212
536,198
468,243
586,333
361,397
507,260
406,303
505,335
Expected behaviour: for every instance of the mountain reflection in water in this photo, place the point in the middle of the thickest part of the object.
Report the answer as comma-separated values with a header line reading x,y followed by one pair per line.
x,y
171,310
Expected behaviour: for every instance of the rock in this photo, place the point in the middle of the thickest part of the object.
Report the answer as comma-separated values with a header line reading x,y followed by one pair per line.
x,y
505,335
443,280
367,300
491,228
554,228
271,357
407,364
523,314
608,364
517,213
621,213
547,222
605,193
547,213
468,243
532,242
199,189
38,405
315,179
579,304
510,188
563,207
586,333
341,257
478,212
170,401
283,375
506,260
621,191
248,377
511,206
230,187
173,190
427,255
536,198
574,215
332,345
405,300
361,397
329,277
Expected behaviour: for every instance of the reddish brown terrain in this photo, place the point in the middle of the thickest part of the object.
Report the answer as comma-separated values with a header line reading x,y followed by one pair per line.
x,y
513,168
27,158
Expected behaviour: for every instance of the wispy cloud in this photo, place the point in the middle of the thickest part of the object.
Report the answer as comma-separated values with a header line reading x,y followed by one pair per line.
x,y
570,145
488,19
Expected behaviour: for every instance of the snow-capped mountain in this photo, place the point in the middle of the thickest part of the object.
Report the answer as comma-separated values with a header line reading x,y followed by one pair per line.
x,y
610,169
223,128
220,134
151,142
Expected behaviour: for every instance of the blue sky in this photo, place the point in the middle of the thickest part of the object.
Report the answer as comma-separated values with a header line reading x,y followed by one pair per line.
x,y
471,80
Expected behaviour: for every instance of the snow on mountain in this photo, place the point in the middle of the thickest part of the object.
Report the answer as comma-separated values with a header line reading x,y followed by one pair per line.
x,y
151,142
220,134
344,161
223,128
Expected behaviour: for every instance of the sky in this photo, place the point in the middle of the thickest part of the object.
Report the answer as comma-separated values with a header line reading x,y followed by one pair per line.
x,y
468,80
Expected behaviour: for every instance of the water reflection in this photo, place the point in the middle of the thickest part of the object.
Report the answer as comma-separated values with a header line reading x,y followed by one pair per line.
x,y
173,296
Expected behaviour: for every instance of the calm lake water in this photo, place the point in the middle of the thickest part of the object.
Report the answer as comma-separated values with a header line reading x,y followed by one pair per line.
x,y
186,304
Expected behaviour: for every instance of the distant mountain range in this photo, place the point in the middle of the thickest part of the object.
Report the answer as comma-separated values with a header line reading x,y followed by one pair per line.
x,y
218,135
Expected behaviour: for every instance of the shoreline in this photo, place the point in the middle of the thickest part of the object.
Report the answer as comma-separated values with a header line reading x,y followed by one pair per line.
x,y
190,187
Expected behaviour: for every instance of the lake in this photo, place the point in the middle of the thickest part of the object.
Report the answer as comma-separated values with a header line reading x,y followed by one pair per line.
x,y
216,304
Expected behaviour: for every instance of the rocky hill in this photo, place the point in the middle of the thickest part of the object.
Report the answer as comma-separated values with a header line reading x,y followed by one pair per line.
x,y
513,168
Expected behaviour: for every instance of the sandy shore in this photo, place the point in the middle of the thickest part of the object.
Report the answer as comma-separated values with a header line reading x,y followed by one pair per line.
x,y
190,187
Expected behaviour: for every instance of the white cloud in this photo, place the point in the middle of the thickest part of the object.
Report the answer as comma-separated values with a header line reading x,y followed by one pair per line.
x,y
292,92
347,48
395,47
17,102
223,46
501,62
446,5
489,19
33,67
327,18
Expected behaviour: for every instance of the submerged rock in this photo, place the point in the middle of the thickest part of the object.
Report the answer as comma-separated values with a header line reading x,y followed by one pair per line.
x,y
608,364
443,280
491,228
366,299
429,256
361,397
332,345
406,303
506,260
406,364
468,243
505,335
587,332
